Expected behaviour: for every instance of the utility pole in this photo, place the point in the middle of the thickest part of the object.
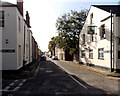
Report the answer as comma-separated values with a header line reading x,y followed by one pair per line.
x,y
111,45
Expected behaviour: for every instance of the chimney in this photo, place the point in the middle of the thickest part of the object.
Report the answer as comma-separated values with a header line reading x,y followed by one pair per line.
x,y
20,6
28,19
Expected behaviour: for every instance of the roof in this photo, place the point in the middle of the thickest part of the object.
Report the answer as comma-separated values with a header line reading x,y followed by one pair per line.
x,y
114,8
6,4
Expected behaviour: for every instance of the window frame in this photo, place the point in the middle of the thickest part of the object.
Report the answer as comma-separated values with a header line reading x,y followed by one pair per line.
x,y
83,38
102,31
91,53
83,55
2,18
101,53
91,18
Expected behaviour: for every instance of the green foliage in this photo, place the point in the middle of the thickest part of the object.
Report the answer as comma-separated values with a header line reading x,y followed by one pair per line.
x,y
69,27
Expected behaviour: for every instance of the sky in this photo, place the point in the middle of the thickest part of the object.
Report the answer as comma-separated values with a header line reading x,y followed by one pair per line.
x,y
44,13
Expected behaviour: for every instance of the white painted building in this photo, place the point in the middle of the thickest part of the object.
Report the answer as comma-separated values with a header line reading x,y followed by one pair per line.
x,y
95,37
14,28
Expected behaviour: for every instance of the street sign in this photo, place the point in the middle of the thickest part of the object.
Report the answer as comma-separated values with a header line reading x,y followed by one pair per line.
x,y
91,30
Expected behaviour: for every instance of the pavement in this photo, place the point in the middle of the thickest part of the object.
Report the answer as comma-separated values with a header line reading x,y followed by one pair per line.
x,y
97,70
26,72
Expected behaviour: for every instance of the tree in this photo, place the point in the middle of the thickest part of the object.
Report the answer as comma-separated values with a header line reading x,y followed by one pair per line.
x,y
69,26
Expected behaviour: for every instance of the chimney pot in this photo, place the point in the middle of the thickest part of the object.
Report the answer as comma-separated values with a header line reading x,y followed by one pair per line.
x,y
20,6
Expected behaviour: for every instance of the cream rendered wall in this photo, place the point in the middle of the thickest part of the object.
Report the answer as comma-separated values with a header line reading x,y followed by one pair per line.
x,y
20,39
27,45
98,15
9,60
30,46
25,33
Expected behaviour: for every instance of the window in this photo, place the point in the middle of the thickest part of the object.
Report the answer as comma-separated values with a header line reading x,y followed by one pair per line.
x,y
83,54
92,38
118,54
101,53
91,18
83,38
102,32
91,53
2,21
118,40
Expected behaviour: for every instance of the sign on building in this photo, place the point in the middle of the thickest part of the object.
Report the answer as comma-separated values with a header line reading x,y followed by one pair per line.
x,y
91,30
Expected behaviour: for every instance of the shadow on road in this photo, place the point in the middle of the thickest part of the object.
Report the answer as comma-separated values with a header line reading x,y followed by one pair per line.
x,y
51,80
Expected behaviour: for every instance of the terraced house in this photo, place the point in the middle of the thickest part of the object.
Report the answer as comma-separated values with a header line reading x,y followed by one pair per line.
x,y
100,37
16,36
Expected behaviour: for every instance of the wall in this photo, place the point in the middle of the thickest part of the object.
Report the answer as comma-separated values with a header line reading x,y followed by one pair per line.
x,y
116,42
97,42
20,39
9,60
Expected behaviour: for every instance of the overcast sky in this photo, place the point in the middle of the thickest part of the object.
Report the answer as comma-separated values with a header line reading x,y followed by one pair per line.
x,y
44,13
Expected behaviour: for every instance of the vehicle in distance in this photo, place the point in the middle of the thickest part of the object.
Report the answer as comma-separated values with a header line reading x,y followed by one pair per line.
x,y
54,57
43,58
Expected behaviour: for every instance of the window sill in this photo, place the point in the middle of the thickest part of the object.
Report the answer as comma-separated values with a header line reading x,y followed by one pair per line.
x,y
101,58
90,58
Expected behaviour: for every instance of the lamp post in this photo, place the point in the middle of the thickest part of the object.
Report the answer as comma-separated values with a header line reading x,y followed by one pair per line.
x,y
111,57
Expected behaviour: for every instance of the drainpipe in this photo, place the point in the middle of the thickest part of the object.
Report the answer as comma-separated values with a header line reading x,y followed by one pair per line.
x,y
111,53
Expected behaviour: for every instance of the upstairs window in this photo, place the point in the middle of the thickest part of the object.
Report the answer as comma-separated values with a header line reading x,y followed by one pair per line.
x,y
2,21
102,32
91,18
83,38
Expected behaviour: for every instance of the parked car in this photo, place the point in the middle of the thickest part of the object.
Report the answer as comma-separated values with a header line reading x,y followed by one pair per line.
x,y
43,58
54,57
50,56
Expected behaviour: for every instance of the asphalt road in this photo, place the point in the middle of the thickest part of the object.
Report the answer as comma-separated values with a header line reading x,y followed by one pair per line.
x,y
107,83
51,80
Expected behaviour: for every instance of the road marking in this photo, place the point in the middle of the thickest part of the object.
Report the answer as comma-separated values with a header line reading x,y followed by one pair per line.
x,y
10,95
78,82
49,71
24,80
20,84
11,84
41,68
15,89
6,88
16,81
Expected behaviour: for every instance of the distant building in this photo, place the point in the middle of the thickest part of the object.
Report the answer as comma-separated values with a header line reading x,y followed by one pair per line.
x,y
16,50
96,41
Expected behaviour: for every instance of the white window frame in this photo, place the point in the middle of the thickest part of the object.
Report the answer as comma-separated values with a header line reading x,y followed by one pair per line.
x,y
101,53
91,53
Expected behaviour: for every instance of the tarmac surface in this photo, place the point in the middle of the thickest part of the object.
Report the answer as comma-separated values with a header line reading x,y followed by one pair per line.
x,y
31,69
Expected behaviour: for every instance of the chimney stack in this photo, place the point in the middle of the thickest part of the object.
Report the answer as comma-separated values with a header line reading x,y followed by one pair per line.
x,y
28,19
20,6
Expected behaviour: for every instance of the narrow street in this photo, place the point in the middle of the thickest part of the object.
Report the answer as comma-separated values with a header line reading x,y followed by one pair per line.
x,y
51,79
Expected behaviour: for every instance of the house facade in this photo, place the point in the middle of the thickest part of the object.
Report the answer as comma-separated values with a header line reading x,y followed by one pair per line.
x,y
16,36
60,53
99,41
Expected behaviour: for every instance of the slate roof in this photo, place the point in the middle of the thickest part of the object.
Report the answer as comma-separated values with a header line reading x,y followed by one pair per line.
x,y
114,8
6,4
